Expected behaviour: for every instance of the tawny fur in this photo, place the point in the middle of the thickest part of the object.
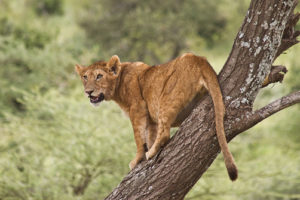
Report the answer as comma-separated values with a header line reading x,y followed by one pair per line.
x,y
157,98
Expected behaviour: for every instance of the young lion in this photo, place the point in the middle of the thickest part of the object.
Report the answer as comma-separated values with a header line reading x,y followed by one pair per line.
x,y
157,98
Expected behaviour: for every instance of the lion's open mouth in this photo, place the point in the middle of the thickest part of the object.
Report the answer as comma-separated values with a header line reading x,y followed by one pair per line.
x,y
97,99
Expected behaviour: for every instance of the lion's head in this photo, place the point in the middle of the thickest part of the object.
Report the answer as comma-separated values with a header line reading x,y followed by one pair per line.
x,y
100,79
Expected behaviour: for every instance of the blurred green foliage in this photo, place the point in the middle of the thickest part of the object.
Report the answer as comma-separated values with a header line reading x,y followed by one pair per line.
x,y
165,26
48,7
54,145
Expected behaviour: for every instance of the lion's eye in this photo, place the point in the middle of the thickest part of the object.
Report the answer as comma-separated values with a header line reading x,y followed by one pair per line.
x,y
85,77
99,76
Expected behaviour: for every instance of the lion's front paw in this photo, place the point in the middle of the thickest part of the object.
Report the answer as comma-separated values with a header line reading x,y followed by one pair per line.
x,y
135,161
132,164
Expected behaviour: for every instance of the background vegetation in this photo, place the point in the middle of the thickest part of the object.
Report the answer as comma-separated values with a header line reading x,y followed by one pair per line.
x,y
54,145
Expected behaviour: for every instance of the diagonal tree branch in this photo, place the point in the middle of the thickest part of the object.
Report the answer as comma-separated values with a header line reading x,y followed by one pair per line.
x,y
189,153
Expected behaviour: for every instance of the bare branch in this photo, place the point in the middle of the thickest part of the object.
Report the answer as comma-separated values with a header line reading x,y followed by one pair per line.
x,y
276,106
249,119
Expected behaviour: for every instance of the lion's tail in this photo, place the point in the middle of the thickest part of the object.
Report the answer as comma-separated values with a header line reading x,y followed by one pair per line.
x,y
212,85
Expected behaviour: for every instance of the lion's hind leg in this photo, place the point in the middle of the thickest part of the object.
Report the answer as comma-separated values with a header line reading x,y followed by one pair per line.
x,y
167,114
151,134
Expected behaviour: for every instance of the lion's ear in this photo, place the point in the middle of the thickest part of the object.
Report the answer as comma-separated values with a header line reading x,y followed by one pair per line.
x,y
114,65
78,69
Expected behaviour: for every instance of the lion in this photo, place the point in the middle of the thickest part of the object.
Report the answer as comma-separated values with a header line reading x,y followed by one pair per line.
x,y
157,98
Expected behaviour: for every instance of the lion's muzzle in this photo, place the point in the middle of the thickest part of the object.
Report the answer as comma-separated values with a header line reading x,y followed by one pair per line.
x,y
96,99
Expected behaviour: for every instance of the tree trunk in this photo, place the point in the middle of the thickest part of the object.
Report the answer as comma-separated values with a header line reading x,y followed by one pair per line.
x,y
268,30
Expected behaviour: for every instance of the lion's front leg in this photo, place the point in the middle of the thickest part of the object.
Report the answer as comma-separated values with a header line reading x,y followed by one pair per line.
x,y
138,116
140,153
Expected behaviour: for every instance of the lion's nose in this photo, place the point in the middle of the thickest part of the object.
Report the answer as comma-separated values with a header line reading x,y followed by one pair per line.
x,y
89,92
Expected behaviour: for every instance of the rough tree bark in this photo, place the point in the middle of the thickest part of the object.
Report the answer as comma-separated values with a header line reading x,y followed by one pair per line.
x,y
267,31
